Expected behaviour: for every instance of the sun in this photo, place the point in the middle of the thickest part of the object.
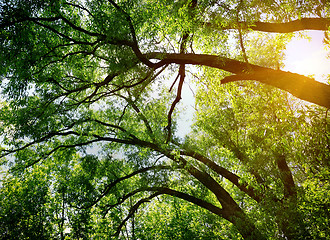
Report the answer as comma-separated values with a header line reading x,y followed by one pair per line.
x,y
308,57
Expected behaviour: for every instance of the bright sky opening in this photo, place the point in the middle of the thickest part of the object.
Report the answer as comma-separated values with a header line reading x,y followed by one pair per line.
x,y
308,56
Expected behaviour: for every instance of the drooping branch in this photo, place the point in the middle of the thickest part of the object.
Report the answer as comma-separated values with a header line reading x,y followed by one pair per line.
x,y
140,115
182,74
80,29
46,155
93,138
302,87
175,102
5,152
80,7
243,158
8,23
64,36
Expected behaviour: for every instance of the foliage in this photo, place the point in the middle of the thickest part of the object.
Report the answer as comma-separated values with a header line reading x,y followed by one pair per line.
x,y
89,116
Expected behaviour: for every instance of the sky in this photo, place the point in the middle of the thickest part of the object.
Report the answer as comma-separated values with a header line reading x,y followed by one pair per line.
x,y
308,57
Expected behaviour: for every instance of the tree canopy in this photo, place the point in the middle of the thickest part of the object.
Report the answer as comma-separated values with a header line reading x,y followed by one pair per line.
x,y
90,109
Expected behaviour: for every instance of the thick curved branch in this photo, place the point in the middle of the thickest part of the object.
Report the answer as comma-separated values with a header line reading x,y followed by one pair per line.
x,y
236,216
230,209
223,63
321,24
197,201
118,180
233,178
226,201
164,190
286,177
302,87
299,86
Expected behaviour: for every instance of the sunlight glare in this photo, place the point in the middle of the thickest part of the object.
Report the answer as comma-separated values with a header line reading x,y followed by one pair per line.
x,y
308,57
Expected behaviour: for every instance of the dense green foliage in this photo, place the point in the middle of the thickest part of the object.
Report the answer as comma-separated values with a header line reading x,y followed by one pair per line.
x,y
90,114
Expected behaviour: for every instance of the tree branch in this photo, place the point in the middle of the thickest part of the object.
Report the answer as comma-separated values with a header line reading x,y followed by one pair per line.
x,y
302,24
300,86
182,74
63,35
132,210
108,188
233,178
286,177
197,201
175,102
164,190
134,45
226,201
80,29
141,116
5,23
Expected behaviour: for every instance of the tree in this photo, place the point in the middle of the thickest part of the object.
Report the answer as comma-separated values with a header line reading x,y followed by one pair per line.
x,y
80,73
24,206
